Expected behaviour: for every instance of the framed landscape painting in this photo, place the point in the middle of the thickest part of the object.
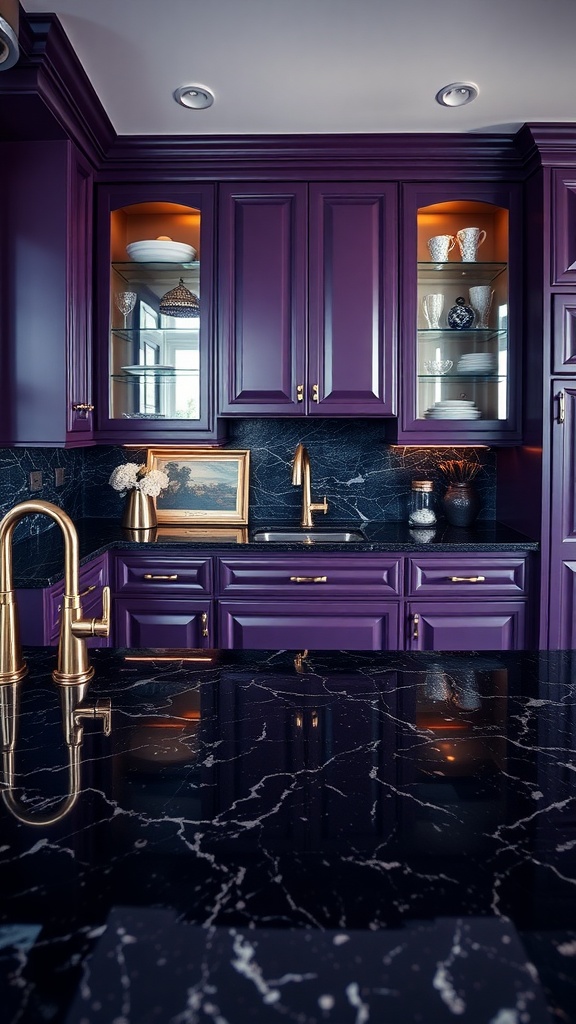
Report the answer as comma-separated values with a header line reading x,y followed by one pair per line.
x,y
204,486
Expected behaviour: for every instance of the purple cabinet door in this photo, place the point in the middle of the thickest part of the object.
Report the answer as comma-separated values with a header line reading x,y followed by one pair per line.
x,y
564,333
46,267
474,626
558,608
262,280
332,625
564,235
163,622
352,297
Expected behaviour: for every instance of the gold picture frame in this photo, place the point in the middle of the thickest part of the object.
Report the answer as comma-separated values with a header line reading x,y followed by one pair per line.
x,y
206,485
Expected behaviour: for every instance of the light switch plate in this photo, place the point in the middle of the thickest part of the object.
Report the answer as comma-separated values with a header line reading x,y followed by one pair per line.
x,y
36,480
59,476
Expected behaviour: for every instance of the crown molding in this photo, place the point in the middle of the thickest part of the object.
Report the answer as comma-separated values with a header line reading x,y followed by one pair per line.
x,y
47,93
487,157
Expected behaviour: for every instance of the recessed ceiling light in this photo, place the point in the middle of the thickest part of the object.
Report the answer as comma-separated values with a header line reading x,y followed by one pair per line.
x,y
457,94
196,96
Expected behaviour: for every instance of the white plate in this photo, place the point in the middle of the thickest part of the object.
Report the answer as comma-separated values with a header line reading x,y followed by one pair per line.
x,y
154,250
453,403
157,371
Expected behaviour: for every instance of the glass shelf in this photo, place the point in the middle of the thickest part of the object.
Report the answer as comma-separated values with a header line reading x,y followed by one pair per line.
x,y
155,333
158,374
452,334
461,378
473,273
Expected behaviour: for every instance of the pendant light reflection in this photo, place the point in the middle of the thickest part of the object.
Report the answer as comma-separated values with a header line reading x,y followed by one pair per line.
x,y
180,301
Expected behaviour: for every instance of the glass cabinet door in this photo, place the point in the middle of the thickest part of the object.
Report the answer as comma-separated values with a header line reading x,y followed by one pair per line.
x,y
155,312
462,312
158,312
461,383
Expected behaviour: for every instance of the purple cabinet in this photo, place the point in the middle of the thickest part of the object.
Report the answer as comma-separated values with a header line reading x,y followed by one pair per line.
x,y
156,362
39,610
563,269
164,622
564,334
307,280
306,623
441,361
46,293
163,600
559,591
461,626
466,602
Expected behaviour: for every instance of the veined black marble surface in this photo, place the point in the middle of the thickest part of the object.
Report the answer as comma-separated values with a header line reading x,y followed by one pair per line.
x,y
300,836
39,560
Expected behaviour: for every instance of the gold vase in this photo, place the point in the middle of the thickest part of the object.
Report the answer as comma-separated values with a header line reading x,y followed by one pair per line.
x,y
139,512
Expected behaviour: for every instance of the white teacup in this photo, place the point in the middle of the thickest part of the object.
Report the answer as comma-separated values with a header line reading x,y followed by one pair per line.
x,y
440,246
470,240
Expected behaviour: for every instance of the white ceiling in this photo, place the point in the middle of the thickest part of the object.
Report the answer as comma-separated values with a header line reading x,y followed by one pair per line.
x,y
284,66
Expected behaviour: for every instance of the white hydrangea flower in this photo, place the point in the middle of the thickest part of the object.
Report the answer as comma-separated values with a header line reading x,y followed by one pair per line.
x,y
123,478
153,483
129,476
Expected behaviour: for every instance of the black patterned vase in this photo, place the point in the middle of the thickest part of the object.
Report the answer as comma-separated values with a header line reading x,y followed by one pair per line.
x,y
461,504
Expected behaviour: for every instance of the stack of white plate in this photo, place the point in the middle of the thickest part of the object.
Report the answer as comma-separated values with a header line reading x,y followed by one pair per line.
x,y
477,362
158,250
453,409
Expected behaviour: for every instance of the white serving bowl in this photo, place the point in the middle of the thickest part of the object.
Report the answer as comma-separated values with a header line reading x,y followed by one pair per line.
x,y
156,250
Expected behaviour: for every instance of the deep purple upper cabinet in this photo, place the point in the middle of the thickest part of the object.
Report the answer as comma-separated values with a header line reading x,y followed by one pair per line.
x,y
307,278
46,295
155,313
564,227
460,314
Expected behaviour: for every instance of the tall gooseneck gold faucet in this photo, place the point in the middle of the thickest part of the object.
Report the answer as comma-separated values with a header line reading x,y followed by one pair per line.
x,y
73,665
302,477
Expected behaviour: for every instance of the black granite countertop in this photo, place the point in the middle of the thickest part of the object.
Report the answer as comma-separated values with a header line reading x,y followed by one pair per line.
x,y
38,560
320,838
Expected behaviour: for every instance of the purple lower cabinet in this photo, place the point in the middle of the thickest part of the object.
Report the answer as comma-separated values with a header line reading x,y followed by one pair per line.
x,y
330,626
459,626
163,622
39,610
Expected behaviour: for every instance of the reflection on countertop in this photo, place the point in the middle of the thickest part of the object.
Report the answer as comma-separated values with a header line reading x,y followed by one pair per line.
x,y
38,559
321,831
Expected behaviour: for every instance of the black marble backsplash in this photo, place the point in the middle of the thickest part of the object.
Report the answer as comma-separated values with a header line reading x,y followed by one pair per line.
x,y
363,477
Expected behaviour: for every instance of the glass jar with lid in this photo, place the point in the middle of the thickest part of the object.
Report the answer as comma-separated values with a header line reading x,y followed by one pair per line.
x,y
421,505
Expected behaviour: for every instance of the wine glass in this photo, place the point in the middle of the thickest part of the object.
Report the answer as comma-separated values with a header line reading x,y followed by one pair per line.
x,y
125,302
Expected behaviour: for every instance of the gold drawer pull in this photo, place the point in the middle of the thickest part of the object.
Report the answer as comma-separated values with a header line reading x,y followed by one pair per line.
x,y
299,392
467,579
415,625
308,579
150,576
82,407
204,620
88,590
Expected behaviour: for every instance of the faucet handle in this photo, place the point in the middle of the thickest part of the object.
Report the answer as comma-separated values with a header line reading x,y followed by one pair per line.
x,y
95,627
102,709
319,506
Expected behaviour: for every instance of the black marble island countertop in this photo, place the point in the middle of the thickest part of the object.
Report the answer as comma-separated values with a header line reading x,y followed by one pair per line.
x,y
320,838
39,560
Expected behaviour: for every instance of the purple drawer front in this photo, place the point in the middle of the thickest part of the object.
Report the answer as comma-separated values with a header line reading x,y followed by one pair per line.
x,y
299,576
163,574
467,576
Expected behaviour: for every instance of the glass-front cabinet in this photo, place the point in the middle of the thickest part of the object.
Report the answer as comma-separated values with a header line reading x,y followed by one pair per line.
x,y
156,315
459,310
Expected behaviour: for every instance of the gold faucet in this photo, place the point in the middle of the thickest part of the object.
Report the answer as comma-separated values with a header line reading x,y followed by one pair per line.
x,y
73,665
73,711
301,476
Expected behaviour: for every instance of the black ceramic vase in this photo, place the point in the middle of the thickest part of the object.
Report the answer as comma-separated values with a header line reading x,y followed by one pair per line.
x,y
461,504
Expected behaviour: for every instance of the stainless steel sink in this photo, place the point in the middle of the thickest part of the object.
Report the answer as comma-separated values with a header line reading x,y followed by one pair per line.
x,y
308,536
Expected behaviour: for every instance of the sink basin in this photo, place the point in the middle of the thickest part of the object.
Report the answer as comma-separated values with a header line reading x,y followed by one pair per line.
x,y
308,536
